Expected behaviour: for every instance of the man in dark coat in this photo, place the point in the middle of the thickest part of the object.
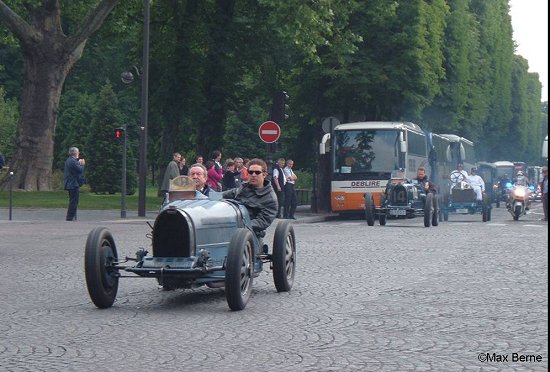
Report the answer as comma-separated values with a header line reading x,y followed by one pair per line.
x,y
73,178
257,196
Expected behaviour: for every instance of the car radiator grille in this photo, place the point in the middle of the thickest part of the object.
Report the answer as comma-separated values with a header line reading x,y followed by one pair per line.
x,y
171,235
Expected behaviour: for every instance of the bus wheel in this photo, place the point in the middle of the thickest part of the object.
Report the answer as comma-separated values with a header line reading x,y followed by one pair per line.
x,y
369,209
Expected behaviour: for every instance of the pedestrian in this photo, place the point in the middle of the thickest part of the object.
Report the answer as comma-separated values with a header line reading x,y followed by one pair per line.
x,y
183,168
230,178
290,191
544,191
172,171
240,170
199,159
278,182
257,196
73,178
217,158
214,179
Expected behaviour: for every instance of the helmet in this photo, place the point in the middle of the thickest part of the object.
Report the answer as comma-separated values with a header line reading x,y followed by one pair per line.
x,y
520,173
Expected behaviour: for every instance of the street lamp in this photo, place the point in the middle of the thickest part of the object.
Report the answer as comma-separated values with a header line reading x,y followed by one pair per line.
x,y
127,77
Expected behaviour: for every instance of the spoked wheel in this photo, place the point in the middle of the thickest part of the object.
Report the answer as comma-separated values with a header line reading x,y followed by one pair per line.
x,y
239,270
369,209
435,215
428,209
284,256
99,265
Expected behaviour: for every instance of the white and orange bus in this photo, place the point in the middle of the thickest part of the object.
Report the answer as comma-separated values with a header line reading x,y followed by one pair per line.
x,y
363,155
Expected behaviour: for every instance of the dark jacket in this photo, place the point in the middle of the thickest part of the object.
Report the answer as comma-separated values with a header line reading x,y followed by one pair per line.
x,y
261,203
72,173
422,181
280,177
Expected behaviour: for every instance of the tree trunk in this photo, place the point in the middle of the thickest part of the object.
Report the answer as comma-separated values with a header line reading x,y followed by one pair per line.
x,y
45,73
49,54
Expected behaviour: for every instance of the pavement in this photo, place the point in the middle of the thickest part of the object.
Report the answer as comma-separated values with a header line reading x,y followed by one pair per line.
x,y
303,215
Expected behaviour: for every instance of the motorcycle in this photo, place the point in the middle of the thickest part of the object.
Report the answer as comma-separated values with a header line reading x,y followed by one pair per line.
x,y
518,199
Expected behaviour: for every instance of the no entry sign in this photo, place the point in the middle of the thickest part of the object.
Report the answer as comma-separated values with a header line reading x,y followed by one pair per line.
x,y
269,131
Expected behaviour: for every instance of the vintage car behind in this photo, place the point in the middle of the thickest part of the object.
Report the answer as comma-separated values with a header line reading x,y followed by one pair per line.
x,y
402,199
462,200
195,241
488,171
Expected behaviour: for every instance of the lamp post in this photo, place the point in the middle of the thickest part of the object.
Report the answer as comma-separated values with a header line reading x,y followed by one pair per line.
x,y
128,77
144,110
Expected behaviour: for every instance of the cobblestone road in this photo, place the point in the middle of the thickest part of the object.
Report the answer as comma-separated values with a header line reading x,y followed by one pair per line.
x,y
393,298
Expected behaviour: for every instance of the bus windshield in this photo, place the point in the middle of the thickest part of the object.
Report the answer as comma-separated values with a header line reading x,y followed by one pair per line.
x,y
360,151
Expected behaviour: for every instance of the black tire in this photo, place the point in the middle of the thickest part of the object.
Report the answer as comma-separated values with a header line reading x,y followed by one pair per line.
x,y
428,209
497,204
284,256
369,209
484,213
436,214
99,260
489,215
239,269
517,212
382,219
445,216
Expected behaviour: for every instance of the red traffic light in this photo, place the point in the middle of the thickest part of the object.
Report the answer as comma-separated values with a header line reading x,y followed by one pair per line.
x,y
119,133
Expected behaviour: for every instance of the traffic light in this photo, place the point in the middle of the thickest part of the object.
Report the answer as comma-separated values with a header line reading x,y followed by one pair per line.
x,y
119,133
280,107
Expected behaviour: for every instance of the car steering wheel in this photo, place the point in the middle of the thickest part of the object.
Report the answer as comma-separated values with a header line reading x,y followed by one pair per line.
x,y
457,177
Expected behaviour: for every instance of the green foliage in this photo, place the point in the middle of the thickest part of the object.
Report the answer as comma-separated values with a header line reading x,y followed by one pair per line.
x,y
9,116
104,152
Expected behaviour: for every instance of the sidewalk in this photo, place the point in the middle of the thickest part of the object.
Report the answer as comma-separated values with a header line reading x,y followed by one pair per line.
x,y
303,215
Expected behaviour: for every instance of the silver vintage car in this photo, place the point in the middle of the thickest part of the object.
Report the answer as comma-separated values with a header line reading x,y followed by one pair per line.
x,y
196,241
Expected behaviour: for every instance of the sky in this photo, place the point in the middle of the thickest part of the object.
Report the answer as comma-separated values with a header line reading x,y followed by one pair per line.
x,y
530,25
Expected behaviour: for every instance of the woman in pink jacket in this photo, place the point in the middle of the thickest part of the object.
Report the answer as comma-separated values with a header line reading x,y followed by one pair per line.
x,y
214,178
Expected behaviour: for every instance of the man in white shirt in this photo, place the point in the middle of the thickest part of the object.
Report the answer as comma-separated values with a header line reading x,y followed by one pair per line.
x,y
477,183
458,175
279,181
290,192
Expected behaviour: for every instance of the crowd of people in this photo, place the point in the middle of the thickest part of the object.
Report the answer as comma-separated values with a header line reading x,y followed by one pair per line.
x,y
233,175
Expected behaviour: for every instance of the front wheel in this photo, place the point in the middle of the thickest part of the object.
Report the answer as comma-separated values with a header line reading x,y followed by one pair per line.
x,y
99,266
517,212
239,268
284,256
369,209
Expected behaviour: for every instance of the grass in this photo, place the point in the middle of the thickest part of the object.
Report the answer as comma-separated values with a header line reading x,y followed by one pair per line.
x,y
88,200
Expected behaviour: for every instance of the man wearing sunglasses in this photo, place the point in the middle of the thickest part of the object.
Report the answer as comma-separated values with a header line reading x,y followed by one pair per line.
x,y
257,196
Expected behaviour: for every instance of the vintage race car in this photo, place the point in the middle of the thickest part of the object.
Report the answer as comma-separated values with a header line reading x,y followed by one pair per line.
x,y
462,200
402,199
196,241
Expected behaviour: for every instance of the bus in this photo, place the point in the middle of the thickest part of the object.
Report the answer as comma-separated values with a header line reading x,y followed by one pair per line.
x,y
504,168
363,155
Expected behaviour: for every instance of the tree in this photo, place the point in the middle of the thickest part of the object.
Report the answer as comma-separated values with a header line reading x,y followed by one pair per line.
x,y
49,54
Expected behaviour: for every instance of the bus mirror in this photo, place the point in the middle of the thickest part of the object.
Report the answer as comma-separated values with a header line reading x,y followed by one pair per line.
x,y
402,143
448,154
324,146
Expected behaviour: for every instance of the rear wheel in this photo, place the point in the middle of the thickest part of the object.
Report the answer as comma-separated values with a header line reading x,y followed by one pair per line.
x,y
284,256
239,270
99,266
382,219
428,209
369,209
436,214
